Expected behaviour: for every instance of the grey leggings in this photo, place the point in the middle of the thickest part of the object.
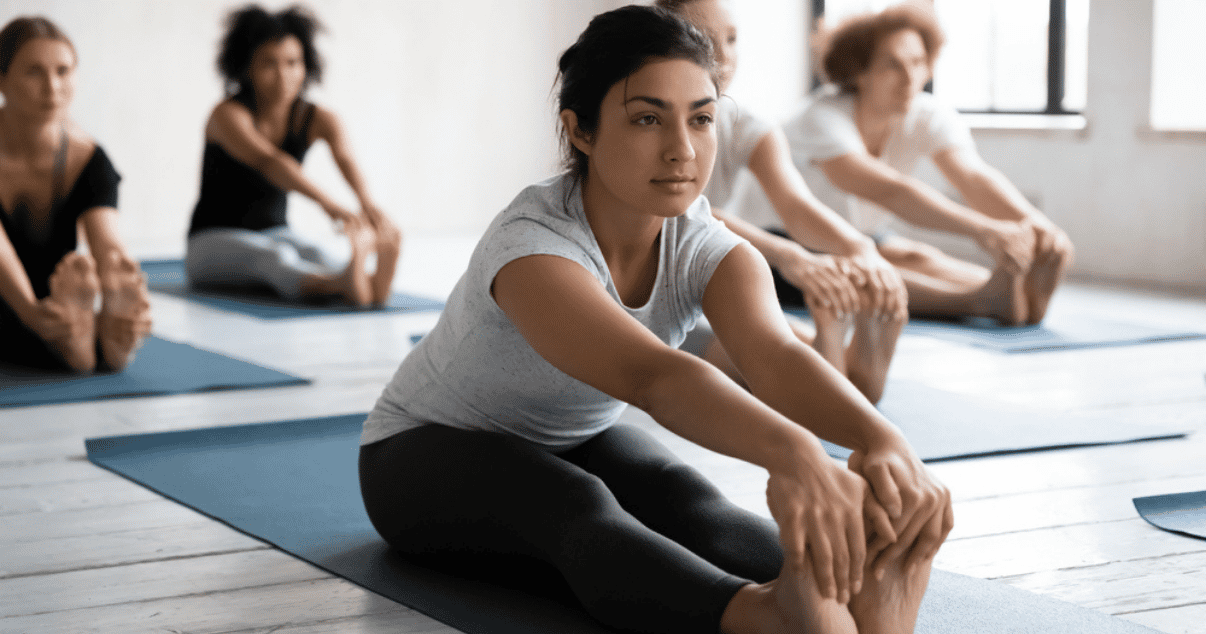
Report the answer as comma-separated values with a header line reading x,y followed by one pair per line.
x,y
642,540
278,258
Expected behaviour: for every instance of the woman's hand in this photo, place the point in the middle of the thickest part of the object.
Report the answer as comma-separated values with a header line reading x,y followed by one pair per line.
x,y
819,509
1051,243
825,281
348,220
882,289
1011,244
918,505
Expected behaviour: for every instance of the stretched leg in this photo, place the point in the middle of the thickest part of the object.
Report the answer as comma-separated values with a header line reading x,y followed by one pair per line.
x,y
435,491
941,285
870,353
830,339
125,316
73,289
239,257
389,248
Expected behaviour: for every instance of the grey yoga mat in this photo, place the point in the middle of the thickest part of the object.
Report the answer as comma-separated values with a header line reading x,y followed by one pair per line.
x,y
167,276
1183,513
159,367
943,425
294,485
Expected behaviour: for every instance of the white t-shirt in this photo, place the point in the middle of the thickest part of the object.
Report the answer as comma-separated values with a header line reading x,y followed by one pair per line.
x,y
738,132
825,129
475,371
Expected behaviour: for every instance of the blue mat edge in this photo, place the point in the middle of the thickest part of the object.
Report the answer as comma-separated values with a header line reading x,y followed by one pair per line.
x,y
292,380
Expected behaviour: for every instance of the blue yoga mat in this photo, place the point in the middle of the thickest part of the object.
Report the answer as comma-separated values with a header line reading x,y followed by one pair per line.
x,y
167,276
294,485
160,367
943,425
1055,333
1183,513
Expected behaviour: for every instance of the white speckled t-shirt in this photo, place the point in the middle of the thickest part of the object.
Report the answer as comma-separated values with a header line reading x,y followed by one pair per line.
x,y
475,371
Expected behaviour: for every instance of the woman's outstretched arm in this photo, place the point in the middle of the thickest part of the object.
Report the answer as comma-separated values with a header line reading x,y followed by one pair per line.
x,y
988,191
812,224
1011,245
17,291
793,379
569,318
329,128
233,128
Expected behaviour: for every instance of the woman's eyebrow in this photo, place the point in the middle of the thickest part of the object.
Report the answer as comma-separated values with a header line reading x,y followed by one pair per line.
x,y
661,103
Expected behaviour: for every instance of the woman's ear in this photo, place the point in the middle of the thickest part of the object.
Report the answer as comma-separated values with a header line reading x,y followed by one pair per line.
x,y
580,139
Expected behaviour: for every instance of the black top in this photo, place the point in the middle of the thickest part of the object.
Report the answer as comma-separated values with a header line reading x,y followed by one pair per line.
x,y
40,245
235,195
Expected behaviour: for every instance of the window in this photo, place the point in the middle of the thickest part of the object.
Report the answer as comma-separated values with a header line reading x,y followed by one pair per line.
x,y
1007,56
1178,65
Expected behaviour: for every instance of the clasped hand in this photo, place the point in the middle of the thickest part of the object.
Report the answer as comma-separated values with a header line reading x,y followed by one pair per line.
x,y
886,497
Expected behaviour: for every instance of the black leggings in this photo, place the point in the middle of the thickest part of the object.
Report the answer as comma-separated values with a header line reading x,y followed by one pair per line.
x,y
644,542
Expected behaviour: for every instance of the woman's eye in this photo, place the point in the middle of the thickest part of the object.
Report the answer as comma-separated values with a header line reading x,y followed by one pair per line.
x,y
646,120
704,119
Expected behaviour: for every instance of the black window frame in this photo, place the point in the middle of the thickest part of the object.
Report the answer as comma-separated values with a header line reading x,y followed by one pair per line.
x,y
1057,26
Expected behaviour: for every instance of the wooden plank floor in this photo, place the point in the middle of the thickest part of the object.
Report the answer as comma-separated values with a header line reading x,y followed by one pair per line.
x,y
83,550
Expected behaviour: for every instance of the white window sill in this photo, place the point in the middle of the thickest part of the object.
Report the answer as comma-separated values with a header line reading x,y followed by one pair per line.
x,y
1026,122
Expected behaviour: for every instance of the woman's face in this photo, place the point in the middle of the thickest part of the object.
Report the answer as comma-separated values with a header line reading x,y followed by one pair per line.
x,y
655,144
278,70
716,21
899,69
41,79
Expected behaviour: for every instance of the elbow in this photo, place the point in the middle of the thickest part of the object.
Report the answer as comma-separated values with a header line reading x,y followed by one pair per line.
x,y
655,390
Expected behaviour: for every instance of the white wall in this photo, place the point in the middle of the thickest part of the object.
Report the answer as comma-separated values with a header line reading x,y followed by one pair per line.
x,y
1133,201
447,103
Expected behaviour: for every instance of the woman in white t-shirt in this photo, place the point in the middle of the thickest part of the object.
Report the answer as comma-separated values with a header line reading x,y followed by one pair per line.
x,y
817,258
495,443
858,143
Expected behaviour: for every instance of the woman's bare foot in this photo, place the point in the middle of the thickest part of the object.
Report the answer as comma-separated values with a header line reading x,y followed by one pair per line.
x,y
830,339
73,289
791,604
125,315
1040,283
354,282
1002,298
389,247
890,605
870,353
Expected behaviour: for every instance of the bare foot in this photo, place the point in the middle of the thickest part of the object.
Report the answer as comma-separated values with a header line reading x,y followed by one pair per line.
x,y
1002,298
870,352
125,316
389,247
890,605
1040,283
791,604
73,290
354,282
830,341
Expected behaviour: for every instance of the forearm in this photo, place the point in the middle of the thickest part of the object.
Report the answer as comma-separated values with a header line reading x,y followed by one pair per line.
x,y
990,193
699,403
15,287
777,250
355,180
821,229
919,204
799,383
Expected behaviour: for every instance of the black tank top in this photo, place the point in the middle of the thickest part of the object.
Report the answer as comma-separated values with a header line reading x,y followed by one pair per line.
x,y
235,195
